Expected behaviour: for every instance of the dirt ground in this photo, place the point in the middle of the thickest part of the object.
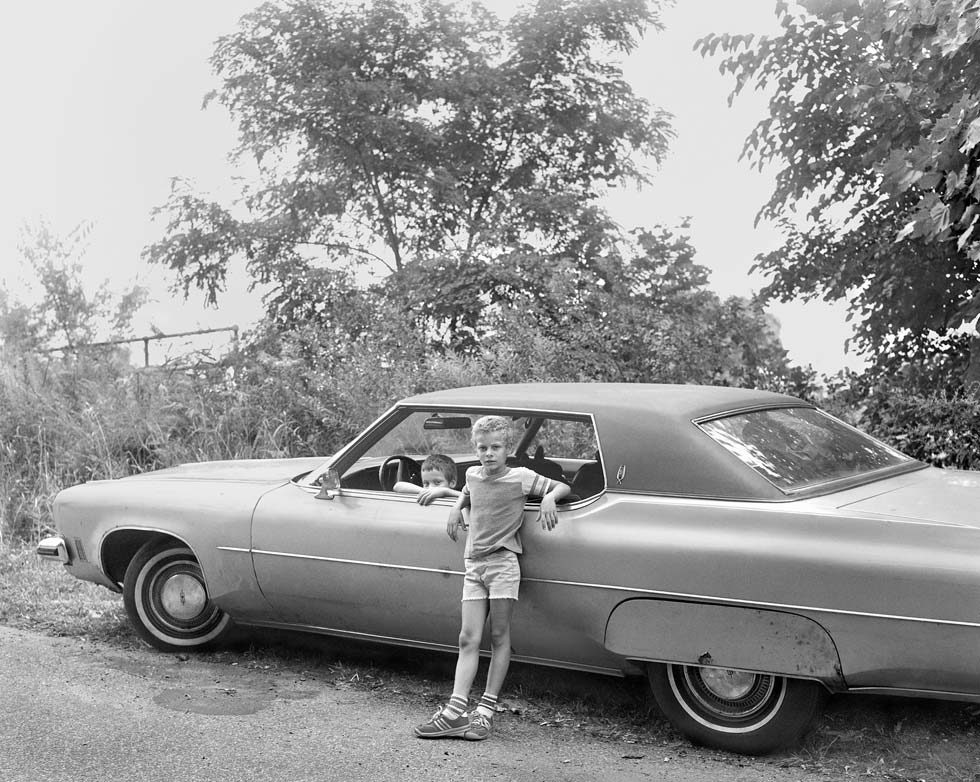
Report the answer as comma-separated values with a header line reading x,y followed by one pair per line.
x,y
77,710
859,737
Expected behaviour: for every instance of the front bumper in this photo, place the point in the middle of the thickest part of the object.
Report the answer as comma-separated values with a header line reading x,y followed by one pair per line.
x,y
55,549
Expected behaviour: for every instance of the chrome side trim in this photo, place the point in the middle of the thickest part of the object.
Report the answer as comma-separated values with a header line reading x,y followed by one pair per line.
x,y
479,408
383,565
941,695
387,496
660,593
754,603
437,647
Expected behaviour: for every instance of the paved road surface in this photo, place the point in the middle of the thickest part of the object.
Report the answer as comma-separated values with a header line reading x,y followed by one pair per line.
x,y
78,711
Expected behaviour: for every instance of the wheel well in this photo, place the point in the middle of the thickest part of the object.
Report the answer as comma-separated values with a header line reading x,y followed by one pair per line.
x,y
121,546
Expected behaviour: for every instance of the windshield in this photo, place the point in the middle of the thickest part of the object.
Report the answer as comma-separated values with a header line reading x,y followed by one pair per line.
x,y
799,447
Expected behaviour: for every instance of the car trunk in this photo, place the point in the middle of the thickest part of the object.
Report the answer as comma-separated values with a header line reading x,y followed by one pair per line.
x,y
932,495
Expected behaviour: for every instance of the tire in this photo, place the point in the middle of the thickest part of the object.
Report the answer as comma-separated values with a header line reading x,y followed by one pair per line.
x,y
737,711
167,599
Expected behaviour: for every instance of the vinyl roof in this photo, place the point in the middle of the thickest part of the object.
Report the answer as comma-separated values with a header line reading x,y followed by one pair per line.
x,y
689,401
646,433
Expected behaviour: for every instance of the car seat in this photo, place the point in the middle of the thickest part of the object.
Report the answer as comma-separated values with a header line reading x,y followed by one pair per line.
x,y
540,465
589,480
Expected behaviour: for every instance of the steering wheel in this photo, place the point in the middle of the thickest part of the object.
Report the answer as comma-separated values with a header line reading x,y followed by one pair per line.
x,y
408,470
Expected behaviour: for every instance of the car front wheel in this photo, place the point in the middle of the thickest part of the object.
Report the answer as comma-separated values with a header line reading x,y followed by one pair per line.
x,y
738,711
167,599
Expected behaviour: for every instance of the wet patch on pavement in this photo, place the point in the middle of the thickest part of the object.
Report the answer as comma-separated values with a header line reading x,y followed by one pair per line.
x,y
223,701
192,686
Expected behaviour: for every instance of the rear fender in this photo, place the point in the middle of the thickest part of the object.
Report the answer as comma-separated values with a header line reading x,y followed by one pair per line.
x,y
724,637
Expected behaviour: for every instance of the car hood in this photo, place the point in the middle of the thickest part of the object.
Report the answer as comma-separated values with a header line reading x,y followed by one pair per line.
x,y
931,495
250,470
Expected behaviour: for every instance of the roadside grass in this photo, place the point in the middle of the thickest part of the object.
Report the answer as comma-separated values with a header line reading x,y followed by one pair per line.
x,y
859,737
907,739
39,595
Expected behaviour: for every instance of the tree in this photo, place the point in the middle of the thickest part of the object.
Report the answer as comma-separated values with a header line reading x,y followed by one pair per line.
x,y
655,320
65,311
452,154
875,126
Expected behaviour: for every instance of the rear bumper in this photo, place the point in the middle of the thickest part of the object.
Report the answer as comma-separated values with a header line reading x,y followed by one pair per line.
x,y
55,549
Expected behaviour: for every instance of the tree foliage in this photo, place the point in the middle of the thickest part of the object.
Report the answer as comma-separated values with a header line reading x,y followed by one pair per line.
x,y
874,123
654,319
431,183
657,322
431,143
59,309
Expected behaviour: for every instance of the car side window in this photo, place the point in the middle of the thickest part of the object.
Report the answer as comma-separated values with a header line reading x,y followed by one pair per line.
x,y
405,446
557,448
565,440
563,449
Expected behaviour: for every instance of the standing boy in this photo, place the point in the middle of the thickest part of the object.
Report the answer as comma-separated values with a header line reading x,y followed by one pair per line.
x,y
495,495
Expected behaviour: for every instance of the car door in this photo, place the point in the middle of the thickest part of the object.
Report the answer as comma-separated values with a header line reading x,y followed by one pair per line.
x,y
364,563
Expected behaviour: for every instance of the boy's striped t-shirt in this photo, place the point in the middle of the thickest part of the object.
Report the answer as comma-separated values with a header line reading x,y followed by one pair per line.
x,y
497,508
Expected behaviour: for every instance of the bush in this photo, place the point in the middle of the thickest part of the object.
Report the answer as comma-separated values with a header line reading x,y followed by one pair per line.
x,y
942,428
54,431
66,421
70,421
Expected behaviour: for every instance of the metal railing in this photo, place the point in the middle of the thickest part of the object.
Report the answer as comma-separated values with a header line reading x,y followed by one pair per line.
x,y
145,340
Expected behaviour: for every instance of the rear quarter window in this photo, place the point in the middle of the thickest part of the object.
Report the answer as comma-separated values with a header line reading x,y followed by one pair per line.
x,y
796,448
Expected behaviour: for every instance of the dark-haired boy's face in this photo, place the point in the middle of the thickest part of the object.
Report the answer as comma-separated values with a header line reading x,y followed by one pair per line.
x,y
434,478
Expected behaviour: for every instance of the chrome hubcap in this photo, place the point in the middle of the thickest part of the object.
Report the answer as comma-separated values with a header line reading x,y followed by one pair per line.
x,y
183,596
727,694
730,685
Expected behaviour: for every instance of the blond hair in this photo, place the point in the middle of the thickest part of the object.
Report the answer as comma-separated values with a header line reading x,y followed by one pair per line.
x,y
492,424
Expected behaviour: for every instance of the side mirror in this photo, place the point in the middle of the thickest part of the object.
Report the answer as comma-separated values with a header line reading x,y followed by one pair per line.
x,y
329,485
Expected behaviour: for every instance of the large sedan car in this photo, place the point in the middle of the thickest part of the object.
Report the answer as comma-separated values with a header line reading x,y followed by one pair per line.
x,y
742,549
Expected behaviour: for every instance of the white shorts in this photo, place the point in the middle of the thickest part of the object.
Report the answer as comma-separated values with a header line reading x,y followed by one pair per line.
x,y
495,576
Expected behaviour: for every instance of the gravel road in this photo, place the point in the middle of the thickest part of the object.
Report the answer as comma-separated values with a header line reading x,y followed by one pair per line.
x,y
79,710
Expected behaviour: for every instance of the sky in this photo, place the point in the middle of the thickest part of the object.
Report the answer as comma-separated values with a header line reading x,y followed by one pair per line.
x,y
104,106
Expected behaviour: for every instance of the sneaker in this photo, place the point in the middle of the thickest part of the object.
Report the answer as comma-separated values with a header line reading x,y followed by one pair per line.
x,y
479,727
442,726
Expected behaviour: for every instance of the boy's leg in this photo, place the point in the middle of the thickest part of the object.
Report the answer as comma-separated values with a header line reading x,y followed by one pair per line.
x,y
470,635
501,610
453,718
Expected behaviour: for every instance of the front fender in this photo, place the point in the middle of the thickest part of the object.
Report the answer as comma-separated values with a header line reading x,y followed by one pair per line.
x,y
724,637
106,522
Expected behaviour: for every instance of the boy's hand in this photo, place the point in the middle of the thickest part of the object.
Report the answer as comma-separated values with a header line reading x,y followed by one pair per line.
x,y
426,496
455,522
548,516
549,511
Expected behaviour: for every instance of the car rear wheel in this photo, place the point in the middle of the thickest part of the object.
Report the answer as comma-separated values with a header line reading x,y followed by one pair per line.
x,y
738,711
167,599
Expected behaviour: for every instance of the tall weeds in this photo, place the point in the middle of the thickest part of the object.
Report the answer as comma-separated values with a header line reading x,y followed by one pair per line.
x,y
66,421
